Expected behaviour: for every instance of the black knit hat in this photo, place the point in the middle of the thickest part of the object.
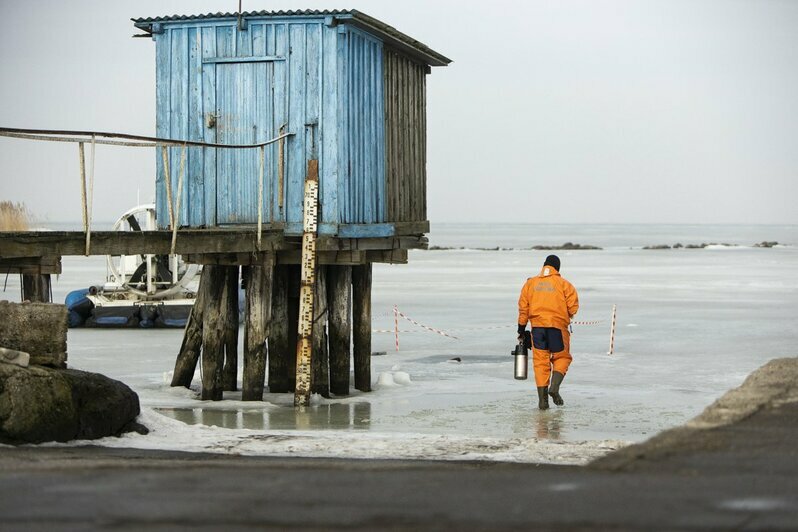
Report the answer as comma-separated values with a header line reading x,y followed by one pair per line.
x,y
553,261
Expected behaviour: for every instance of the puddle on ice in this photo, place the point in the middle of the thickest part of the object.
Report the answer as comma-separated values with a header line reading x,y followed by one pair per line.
x,y
340,416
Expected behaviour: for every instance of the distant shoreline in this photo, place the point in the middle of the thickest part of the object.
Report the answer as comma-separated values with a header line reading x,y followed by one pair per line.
x,y
569,246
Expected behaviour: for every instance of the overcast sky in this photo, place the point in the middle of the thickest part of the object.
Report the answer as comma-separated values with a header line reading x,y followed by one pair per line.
x,y
564,111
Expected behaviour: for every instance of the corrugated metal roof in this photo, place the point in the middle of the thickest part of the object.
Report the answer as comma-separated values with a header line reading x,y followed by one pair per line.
x,y
358,19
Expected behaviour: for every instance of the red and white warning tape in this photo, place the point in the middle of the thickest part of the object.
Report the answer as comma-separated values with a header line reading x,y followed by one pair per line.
x,y
398,314
418,324
595,322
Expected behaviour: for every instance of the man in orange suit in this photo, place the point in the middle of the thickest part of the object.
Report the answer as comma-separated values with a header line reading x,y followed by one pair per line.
x,y
548,302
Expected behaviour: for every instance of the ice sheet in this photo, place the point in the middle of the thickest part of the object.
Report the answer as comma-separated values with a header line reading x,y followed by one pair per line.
x,y
691,325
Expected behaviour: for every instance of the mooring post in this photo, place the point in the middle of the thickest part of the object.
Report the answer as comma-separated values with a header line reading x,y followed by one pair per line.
x,y
339,296
36,288
258,316
213,334
320,362
361,325
283,330
188,356
230,317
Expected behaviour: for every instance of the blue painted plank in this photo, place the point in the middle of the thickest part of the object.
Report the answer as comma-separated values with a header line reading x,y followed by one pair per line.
x,y
225,85
178,124
193,188
379,143
329,126
296,164
256,58
369,230
162,96
280,87
209,133
342,139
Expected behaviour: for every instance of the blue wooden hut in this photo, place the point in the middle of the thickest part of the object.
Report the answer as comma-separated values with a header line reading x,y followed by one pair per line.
x,y
350,89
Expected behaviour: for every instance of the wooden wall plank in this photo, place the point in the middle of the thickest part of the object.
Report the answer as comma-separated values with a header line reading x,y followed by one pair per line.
x,y
209,133
295,164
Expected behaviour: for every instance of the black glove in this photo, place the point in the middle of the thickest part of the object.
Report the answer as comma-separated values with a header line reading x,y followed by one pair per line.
x,y
521,329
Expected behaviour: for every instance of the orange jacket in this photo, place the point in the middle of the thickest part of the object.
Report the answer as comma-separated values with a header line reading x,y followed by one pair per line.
x,y
547,300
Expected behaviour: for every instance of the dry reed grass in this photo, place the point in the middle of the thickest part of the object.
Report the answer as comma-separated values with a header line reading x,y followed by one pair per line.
x,y
14,216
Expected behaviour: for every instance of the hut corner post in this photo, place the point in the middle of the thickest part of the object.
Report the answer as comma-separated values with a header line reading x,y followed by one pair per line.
x,y
361,325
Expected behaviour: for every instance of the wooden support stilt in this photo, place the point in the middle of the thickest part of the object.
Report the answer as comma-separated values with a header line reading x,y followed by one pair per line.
x,y
36,288
188,356
230,317
361,325
283,331
213,334
257,327
339,297
320,362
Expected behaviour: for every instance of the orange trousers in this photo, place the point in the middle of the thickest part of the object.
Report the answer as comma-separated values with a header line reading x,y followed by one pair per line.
x,y
544,360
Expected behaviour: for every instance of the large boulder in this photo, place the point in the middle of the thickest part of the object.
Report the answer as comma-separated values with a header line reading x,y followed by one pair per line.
x,y
39,404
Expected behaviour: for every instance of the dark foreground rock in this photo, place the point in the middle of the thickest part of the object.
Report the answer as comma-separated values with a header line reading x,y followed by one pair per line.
x,y
39,404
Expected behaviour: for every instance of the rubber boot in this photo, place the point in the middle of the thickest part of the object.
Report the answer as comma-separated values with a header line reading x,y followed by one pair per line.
x,y
543,398
554,387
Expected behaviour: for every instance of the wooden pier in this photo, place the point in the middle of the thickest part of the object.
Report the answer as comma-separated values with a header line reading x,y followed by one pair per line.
x,y
291,156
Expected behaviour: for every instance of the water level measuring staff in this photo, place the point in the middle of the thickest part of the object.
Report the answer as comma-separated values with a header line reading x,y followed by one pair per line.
x,y
548,302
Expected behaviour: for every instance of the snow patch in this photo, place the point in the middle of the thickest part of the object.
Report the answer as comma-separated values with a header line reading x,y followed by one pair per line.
x,y
169,434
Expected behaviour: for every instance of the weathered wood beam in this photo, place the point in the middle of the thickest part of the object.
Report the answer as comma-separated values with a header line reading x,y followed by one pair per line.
x,y
31,265
213,335
230,308
361,326
40,243
283,331
320,361
339,296
257,328
188,356
190,242
36,288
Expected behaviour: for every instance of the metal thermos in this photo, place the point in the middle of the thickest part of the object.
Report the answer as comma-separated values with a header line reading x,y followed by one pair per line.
x,y
521,357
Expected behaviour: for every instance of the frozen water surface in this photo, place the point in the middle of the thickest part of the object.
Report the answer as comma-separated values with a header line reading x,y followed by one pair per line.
x,y
691,325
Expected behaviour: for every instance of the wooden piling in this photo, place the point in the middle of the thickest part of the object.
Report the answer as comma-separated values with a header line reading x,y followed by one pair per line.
x,y
230,317
320,361
36,288
188,356
361,325
339,297
258,316
213,334
283,331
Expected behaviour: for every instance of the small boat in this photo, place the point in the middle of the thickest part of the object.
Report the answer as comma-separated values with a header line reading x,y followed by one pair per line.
x,y
140,290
